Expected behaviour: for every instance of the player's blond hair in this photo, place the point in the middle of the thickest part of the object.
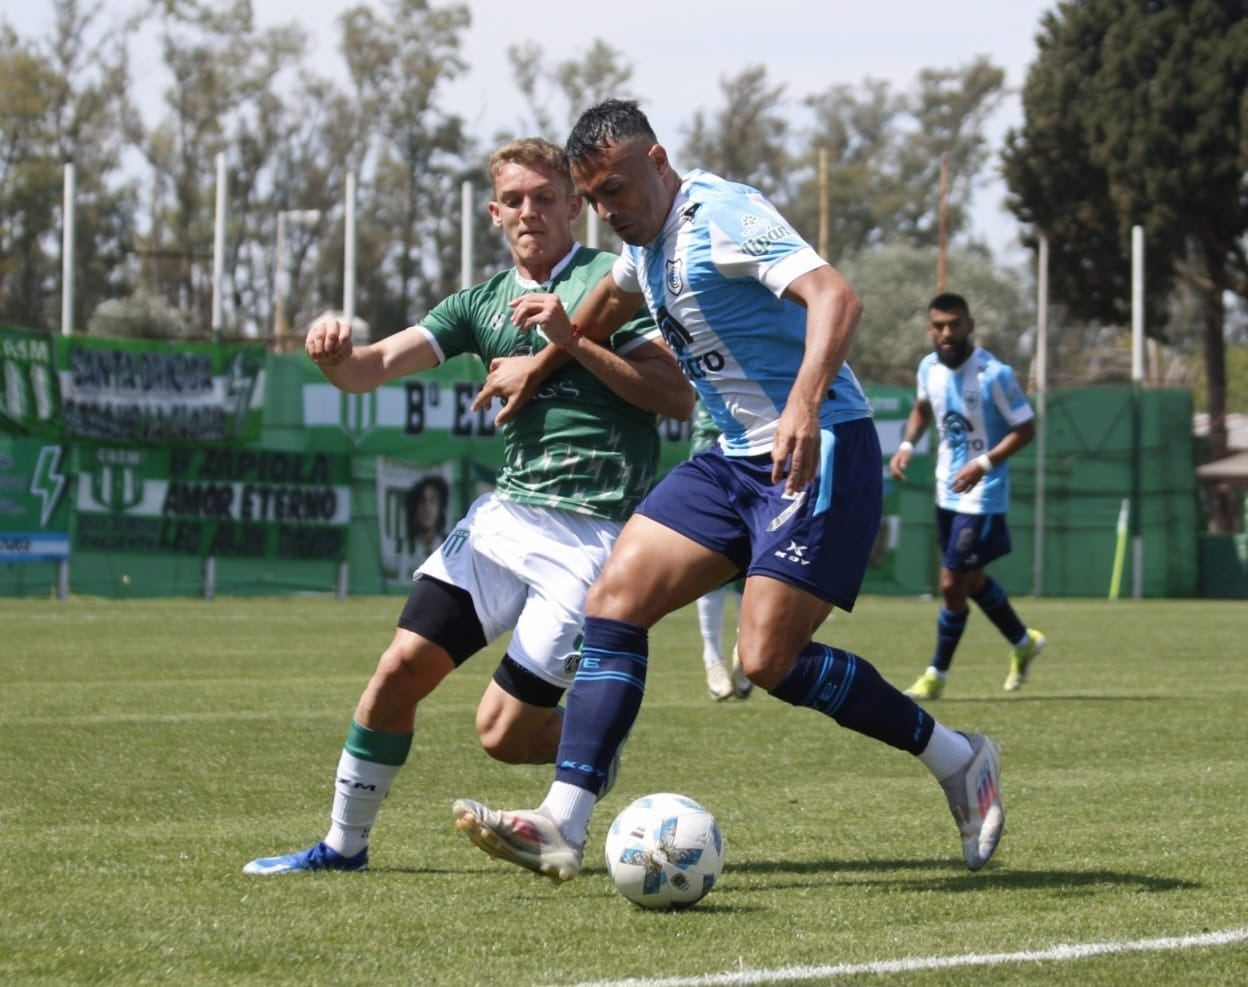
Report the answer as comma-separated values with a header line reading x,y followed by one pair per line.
x,y
532,152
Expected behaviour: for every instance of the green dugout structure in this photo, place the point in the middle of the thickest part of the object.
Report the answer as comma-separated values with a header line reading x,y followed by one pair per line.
x,y
145,469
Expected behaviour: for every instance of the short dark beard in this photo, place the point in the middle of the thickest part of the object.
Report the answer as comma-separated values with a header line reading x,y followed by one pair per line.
x,y
957,357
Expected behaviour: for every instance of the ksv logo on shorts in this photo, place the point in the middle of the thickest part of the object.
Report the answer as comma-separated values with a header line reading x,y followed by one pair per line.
x,y
793,553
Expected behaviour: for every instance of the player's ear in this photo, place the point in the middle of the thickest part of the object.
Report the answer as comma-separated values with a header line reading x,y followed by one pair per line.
x,y
658,157
575,205
495,214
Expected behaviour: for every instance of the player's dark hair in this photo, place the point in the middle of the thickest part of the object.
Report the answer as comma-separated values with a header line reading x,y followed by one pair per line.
x,y
613,121
948,301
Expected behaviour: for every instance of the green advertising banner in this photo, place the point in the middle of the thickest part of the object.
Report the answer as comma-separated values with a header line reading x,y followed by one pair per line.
x,y
890,407
34,501
131,392
29,395
220,502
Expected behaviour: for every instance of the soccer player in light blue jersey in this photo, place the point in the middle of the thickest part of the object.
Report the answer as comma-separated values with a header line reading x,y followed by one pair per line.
x,y
982,419
790,496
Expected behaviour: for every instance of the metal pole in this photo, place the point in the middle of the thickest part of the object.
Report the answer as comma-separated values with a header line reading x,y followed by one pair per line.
x,y
465,256
279,285
1042,388
1137,382
593,230
942,235
218,250
67,252
348,252
823,202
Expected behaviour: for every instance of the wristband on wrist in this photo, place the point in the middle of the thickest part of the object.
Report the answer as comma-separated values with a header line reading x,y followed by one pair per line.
x,y
984,463
906,446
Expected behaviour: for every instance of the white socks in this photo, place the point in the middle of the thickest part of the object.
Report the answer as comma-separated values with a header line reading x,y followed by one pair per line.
x,y
570,807
947,751
359,788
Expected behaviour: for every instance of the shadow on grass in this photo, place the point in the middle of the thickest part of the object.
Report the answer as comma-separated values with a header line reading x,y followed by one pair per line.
x,y
934,874
948,875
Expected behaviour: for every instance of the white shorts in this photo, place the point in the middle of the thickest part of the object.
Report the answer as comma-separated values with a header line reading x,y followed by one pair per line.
x,y
528,570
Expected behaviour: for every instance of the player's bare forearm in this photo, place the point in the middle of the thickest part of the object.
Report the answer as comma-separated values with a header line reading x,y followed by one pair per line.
x,y
361,369
648,376
832,313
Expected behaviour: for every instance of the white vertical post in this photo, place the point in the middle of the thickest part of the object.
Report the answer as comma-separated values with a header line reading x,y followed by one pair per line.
x,y
465,219
210,578
1042,388
1137,304
279,283
218,250
67,252
593,229
1137,381
348,251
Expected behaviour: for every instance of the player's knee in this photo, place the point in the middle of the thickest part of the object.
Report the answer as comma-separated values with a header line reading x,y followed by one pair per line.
x,y
511,742
762,666
404,672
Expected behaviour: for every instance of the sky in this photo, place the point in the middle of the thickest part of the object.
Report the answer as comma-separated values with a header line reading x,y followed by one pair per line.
x,y
681,50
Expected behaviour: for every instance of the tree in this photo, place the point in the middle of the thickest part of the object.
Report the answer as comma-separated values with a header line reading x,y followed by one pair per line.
x,y
223,72
745,140
897,282
62,98
884,151
397,64
1137,114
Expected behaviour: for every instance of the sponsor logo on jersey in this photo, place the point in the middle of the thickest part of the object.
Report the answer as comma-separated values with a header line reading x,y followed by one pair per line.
x,y
758,238
678,338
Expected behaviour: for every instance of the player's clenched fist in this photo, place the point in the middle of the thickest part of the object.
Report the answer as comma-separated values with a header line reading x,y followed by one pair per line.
x,y
329,340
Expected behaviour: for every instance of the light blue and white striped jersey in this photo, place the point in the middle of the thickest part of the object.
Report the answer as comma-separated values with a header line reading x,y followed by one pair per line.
x,y
713,280
974,408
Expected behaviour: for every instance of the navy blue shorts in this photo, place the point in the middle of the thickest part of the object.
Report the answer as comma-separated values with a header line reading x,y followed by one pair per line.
x,y
970,541
818,540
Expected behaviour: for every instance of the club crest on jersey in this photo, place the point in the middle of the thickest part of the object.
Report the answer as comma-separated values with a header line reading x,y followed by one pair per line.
x,y
675,276
497,321
970,399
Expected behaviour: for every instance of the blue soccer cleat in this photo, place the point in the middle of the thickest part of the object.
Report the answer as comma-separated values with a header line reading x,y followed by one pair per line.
x,y
319,857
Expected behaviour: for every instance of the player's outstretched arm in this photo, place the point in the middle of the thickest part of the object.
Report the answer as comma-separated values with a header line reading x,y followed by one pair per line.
x,y
359,369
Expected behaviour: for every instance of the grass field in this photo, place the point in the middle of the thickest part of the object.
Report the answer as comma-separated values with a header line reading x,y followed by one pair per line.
x,y
148,749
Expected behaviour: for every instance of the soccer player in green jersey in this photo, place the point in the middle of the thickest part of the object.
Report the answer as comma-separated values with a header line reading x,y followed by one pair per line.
x,y
578,458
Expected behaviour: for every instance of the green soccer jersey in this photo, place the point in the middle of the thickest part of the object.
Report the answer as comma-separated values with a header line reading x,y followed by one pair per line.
x,y
704,433
575,445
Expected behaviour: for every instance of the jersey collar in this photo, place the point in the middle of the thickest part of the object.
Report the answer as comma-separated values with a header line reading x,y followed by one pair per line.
x,y
528,284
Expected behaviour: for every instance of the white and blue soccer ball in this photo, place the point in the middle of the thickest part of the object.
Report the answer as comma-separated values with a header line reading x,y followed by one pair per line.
x,y
664,851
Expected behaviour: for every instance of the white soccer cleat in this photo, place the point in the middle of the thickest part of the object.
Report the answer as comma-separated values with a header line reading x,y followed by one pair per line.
x,y
717,682
974,796
741,684
521,836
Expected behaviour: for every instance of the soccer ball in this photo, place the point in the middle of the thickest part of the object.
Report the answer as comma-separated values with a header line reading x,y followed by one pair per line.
x,y
664,851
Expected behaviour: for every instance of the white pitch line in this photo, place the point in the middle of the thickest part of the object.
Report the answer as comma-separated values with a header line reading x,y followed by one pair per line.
x,y
796,974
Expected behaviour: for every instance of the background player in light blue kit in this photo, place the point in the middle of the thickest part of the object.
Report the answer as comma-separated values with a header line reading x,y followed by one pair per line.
x,y
791,496
982,419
